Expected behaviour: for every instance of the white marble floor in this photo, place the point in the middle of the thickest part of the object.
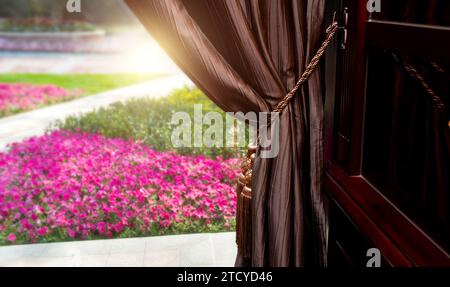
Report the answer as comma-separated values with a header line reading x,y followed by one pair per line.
x,y
189,250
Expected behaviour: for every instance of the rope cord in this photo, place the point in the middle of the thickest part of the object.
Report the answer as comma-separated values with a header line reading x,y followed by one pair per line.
x,y
418,77
331,30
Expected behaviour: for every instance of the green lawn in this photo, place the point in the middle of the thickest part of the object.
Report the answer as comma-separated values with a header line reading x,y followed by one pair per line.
x,y
89,83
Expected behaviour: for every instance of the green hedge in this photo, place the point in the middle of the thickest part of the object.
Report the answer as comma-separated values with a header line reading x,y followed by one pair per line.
x,y
149,120
44,25
99,12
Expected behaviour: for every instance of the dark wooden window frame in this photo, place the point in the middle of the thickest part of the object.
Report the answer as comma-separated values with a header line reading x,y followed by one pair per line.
x,y
401,242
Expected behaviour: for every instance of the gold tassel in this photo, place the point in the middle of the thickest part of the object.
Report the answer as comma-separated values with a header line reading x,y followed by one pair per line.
x,y
244,204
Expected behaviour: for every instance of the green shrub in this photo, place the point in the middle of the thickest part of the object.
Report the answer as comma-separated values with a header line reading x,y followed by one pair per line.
x,y
149,121
44,25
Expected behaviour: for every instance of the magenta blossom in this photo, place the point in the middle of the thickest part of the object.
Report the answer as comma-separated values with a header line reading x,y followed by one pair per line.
x,y
20,97
42,231
85,185
11,237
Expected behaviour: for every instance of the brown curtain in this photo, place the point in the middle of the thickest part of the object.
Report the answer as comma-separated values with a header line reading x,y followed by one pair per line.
x,y
246,55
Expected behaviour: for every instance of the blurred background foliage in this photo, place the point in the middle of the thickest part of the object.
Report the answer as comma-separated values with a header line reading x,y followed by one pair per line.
x,y
100,12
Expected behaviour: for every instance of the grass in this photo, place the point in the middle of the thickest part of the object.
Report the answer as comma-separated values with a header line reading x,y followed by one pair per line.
x,y
59,235
89,83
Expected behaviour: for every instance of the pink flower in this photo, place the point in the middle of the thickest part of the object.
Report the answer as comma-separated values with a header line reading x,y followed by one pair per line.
x,y
118,227
71,233
11,237
101,227
42,231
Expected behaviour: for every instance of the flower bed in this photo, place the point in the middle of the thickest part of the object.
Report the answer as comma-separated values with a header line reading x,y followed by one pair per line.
x,y
15,98
67,185
42,34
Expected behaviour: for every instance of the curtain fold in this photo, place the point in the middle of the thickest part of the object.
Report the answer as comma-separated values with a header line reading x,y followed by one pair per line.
x,y
246,55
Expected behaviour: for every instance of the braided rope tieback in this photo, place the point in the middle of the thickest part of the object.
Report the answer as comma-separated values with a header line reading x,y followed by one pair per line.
x,y
331,30
247,165
245,179
244,186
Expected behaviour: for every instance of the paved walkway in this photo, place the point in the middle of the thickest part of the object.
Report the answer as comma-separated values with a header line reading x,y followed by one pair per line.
x,y
193,250
34,123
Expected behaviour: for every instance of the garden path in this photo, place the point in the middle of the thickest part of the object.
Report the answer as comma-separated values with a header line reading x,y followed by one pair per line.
x,y
190,250
34,123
